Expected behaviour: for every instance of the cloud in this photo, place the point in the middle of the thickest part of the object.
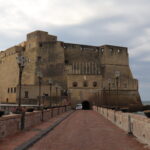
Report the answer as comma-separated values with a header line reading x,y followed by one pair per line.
x,y
98,22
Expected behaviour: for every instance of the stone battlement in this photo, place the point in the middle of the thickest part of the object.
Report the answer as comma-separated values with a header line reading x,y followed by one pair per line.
x,y
69,65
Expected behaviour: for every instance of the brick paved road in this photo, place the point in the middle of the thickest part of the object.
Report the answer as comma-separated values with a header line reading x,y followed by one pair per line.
x,y
11,142
87,130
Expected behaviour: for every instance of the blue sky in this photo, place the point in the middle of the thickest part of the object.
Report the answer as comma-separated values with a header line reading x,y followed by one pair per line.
x,y
95,22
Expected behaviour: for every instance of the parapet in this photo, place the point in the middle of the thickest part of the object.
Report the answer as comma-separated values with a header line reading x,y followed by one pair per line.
x,y
11,51
114,49
40,36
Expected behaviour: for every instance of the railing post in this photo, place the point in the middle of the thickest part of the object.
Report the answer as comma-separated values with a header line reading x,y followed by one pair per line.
x,y
22,120
52,112
129,125
42,112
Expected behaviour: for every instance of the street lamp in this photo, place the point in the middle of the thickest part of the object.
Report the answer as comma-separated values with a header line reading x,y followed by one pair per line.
x,y
69,96
109,84
21,60
56,86
50,91
61,98
117,75
40,76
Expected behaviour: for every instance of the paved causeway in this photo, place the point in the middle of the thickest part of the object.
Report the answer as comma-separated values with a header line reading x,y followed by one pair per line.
x,y
87,130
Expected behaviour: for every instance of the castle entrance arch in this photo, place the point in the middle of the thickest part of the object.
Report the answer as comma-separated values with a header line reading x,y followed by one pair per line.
x,y
86,105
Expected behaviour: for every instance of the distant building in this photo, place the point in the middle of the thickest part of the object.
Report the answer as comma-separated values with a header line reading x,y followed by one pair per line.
x,y
96,74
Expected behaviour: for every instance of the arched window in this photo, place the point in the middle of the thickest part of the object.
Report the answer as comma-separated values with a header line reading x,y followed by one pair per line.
x,y
94,84
74,84
85,84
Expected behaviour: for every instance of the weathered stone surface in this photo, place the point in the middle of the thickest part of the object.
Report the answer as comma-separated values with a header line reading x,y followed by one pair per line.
x,y
66,63
138,125
11,124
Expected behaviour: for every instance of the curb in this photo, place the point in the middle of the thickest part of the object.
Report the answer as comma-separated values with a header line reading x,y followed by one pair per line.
x,y
36,138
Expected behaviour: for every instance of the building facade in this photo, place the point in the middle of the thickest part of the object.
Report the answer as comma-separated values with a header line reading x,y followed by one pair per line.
x,y
93,74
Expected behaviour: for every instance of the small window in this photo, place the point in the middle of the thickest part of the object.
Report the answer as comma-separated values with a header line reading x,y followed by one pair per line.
x,y
11,90
7,100
45,94
113,85
40,44
39,58
74,84
125,85
15,90
118,51
102,50
66,61
94,84
8,90
26,94
111,51
85,84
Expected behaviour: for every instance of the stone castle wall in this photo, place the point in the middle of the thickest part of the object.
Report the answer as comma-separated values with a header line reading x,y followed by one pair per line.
x,y
66,63
135,124
11,124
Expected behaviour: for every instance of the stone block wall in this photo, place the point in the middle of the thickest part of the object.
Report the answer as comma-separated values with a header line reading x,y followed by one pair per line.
x,y
32,118
138,125
47,114
11,124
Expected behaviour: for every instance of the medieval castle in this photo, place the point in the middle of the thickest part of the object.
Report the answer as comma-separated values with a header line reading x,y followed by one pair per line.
x,y
89,73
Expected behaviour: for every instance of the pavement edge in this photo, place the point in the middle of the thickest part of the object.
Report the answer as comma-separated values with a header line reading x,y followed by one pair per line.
x,y
36,138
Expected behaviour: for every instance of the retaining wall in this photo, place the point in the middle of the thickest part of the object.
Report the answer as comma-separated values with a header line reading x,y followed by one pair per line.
x,y
136,124
11,124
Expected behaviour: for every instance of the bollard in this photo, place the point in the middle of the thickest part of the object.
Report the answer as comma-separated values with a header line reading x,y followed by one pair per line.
x,y
58,111
65,108
129,126
22,120
52,112
114,116
42,119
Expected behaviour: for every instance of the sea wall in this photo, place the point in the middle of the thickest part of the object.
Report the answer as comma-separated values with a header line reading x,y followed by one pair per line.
x,y
137,125
11,124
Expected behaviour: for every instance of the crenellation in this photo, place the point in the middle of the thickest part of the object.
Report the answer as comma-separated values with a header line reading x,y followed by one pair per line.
x,y
90,67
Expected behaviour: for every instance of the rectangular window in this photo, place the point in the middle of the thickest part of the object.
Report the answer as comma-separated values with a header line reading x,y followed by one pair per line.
x,y
125,85
15,90
8,90
11,90
26,94
113,85
39,58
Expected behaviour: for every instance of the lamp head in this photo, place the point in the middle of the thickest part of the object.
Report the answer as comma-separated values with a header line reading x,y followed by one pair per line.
x,y
50,81
39,74
21,60
117,74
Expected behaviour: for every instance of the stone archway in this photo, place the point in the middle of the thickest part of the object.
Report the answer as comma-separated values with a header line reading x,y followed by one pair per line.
x,y
86,105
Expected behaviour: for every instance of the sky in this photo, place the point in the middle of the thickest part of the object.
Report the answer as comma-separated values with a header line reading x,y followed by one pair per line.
x,y
96,22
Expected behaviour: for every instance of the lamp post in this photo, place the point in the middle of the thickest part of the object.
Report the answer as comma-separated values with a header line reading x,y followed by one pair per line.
x,y
69,96
50,92
104,97
98,97
21,64
109,85
61,96
56,86
117,75
40,76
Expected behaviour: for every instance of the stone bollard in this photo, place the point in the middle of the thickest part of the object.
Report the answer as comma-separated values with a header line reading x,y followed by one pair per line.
x,y
22,120
129,125
42,117
52,112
